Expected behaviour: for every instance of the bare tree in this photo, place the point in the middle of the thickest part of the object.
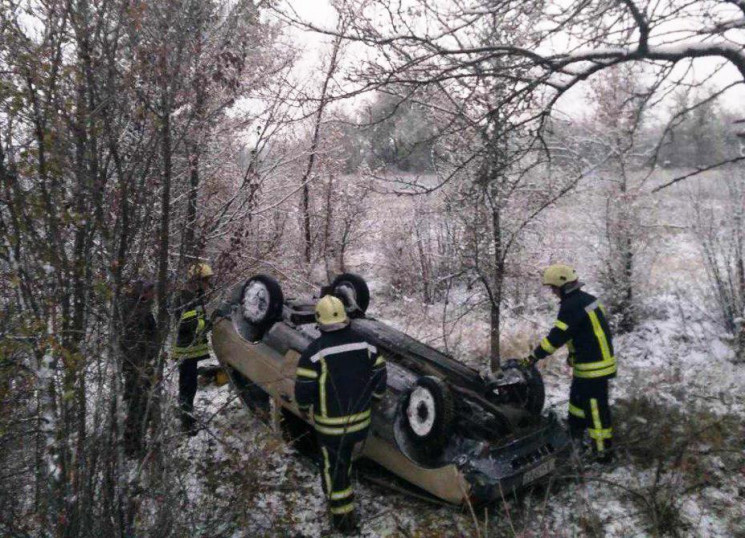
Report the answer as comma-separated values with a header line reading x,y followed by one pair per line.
x,y
720,229
616,133
94,106
345,205
323,100
485,155
431,43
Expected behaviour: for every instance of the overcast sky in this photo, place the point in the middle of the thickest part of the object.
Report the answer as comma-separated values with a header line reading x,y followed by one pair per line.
x,y
321,13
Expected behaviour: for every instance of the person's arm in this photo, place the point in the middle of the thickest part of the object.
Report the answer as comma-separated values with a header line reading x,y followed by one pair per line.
x,y
559,335
189,319
205,321
306,380
379,375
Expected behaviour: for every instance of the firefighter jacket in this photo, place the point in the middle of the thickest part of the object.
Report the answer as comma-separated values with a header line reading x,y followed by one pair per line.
x,y
139,336
339,375
191,340
583,327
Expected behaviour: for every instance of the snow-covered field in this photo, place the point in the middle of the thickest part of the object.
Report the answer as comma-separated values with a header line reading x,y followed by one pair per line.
x,y
679,404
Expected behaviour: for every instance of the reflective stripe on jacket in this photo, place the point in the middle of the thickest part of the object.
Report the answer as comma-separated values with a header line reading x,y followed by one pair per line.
x,y
582,325
339,375
191,339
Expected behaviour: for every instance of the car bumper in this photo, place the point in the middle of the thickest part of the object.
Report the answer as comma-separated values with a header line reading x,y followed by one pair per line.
x,y
511,467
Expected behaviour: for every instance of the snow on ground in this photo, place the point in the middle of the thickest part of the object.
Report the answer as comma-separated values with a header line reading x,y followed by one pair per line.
x,y
678,404
682,375
678,359
280,492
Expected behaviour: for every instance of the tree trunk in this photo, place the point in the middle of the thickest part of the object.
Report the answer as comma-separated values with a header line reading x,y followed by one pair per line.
x,y
164,235
190,246
163,317
305,180
625,271
628,318
739,299
307,239
327,246
496,286
423,265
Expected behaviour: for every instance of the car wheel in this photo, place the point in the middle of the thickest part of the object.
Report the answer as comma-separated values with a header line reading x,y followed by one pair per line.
x,y
429,410
530,395
352,290
262,300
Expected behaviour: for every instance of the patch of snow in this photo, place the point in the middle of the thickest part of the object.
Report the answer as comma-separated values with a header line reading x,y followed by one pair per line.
x,y
255,301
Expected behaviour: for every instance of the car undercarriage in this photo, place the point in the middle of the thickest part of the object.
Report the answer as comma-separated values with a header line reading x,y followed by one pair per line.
x,y
442,427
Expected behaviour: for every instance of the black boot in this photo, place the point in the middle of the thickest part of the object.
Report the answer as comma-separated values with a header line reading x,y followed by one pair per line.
x,y
607,455
189,424
346,524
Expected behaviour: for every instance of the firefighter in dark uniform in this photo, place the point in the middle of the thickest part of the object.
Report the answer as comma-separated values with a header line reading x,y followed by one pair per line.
x,y
139,345
338,377
191,340
583,327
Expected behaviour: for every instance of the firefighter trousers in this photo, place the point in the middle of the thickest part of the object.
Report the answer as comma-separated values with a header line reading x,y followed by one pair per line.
x,y
589,409
337,454
187,389
138,395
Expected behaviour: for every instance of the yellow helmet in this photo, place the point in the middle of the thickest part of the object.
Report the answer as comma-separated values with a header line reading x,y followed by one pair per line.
x,y
330,314
558,275
200,270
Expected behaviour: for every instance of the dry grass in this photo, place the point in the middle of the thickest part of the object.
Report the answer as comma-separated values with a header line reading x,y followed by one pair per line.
x,y
681,452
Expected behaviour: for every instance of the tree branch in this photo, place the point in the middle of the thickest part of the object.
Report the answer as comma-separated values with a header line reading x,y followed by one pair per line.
x,y
698,171
641,23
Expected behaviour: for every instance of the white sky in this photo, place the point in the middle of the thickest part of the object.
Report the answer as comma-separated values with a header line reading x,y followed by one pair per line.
x,y
318,12
322,14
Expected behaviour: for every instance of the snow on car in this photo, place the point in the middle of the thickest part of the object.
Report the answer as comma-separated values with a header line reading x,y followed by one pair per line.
x,y
442,427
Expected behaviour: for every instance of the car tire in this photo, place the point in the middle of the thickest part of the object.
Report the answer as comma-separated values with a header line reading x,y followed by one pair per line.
x,y
262,301
429,413
350,288
532,395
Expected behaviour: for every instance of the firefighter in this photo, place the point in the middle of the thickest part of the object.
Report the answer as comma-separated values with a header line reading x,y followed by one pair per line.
x,y
139,346
339,376
582,325
192,345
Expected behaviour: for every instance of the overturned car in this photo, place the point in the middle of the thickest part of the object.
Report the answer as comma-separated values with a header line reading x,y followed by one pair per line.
x,y
441,427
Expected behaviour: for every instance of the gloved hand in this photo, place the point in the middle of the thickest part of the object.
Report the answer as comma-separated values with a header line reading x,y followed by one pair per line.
x,y
527,362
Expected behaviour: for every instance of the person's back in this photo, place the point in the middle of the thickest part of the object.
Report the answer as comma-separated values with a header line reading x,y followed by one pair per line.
x,y
138,338
591,342
338,376
191,339
346,383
